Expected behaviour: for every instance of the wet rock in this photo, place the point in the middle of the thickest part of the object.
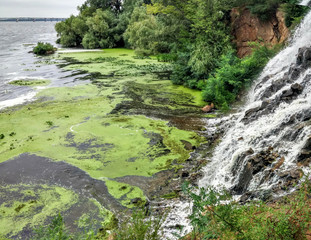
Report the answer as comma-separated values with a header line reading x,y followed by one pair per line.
x,y
185,174
136,201
290,175
252,164
304,157
290,178
287,93
296,87
304,57
262,160
208,108
263,195
245,197
278,164
293,133
244,180
254,113
294,73
296,173
251,111
194,177
239,162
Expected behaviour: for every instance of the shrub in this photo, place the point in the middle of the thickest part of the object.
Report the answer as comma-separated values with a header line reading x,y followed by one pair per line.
x,y
234,74
43,49
56,230
216,216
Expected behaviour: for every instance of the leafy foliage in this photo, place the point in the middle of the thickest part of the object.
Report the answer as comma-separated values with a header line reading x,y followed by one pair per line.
x,y
234,74
138,226
100,23
135,226
43,49
293,12
149,34
55,231
216,216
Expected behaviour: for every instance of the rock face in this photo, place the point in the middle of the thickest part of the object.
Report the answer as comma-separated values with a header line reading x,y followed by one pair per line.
x,y
249,28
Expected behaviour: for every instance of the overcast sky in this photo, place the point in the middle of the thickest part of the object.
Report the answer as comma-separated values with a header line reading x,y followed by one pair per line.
x,y
39,8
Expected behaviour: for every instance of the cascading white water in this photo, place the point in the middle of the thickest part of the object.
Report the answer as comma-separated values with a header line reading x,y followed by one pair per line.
x,y
275,123
305,3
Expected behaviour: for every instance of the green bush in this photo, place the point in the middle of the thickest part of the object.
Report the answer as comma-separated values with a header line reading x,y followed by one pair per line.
x,y
234,74
44,49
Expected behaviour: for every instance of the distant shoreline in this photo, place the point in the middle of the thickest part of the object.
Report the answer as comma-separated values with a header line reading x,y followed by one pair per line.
x,y
31,19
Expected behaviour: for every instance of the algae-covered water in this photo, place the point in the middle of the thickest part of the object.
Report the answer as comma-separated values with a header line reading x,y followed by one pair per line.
x,y
111,142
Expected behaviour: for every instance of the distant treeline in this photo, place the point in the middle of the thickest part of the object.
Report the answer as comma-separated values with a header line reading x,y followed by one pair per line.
x,y
32,19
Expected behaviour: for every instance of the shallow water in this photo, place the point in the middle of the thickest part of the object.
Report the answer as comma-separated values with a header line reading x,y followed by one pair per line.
x,y
17,39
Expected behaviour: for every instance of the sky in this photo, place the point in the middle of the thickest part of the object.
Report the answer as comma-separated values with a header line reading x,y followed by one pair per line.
x,y
39,8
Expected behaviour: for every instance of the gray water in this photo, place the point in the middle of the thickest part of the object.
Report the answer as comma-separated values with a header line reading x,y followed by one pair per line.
x,y
17,40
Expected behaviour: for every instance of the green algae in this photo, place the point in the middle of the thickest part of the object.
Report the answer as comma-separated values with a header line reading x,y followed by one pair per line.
x,y
125,193
37,204
114,62
30,82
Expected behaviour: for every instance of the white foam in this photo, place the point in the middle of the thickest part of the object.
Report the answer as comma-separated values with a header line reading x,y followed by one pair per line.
x,y
19,100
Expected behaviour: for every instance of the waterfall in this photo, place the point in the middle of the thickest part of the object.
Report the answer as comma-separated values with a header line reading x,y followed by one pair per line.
x,y
305,3
267,145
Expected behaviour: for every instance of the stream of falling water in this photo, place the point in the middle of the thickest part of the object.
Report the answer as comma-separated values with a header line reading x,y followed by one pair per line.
x,y
277,116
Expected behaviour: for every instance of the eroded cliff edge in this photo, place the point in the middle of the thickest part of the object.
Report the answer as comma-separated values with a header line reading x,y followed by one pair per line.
x,y
247,28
